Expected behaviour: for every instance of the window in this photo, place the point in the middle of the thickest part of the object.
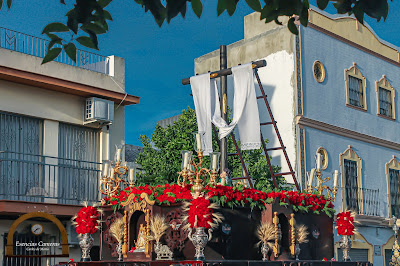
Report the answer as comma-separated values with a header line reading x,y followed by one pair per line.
x,y
351,187
393,186
319,71
385,93
355,88
351,169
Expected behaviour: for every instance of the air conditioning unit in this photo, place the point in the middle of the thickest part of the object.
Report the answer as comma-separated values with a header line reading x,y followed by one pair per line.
x,y
98,110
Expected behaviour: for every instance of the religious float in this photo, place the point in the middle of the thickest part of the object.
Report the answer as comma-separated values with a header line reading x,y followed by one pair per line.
x,y
203,219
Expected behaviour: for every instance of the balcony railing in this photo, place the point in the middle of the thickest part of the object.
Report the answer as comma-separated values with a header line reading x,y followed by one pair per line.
x,y
35,46
48,179
362,200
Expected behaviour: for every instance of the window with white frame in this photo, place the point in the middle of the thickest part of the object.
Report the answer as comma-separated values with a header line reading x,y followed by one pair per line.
x,y
393,186
385,93
355,88
351,169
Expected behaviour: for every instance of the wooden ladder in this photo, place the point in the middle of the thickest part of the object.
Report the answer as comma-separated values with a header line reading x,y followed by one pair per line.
x,y
266,150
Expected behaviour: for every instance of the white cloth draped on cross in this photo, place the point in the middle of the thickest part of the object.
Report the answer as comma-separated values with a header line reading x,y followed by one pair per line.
x,y
245,108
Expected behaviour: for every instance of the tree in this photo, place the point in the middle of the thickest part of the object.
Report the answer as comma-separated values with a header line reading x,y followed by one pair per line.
x,y
161,159
90,17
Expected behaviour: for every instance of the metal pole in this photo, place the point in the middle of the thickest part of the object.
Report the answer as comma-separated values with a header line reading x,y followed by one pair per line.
x,y
224,105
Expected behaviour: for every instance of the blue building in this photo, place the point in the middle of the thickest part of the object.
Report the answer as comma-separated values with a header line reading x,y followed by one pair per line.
x,y
333,90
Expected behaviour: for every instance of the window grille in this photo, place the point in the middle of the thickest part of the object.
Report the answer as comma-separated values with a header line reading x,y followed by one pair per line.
x,y
78,151
356,94
385,102
394,176
351,182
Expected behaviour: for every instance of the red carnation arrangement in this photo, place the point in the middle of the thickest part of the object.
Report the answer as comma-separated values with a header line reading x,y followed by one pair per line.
x,y
345,223
87,221
200,213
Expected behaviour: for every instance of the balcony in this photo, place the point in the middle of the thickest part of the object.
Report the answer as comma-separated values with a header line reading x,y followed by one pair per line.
x,y
363,201
31,45
36,178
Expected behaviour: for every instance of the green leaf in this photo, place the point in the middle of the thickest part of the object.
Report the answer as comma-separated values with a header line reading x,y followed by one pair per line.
x,y
197,7
104,3
55,27
254,4
107,15
9,3
304,13
292,27
231,6
86,41
51,55
97,29
322,4
70,49
221,7
1,4
358,11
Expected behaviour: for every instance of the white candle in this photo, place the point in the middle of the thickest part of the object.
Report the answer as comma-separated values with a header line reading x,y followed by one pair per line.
x,y
131,175
186,160
335,178
105,170
118,155
318,161
214,164
198,141
112,173
311,177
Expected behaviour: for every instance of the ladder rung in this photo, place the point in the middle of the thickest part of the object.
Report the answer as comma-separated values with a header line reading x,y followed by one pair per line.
x,y
260,97
285,173
274,149
267,123
233,154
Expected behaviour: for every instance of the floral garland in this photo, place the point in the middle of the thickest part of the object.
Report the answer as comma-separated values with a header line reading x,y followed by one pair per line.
x,y
87,220
345,223
225,196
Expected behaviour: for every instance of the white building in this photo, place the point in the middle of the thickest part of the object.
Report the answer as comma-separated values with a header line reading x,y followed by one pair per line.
x,y
332,89
50,152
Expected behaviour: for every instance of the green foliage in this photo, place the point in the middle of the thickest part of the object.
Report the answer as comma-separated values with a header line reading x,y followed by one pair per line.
x,y
161,159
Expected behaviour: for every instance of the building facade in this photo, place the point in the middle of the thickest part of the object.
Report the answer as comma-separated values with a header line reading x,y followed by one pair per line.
x,y
58,121
333,90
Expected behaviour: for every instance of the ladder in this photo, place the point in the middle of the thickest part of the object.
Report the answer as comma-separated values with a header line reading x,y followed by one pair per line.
x,y
266,150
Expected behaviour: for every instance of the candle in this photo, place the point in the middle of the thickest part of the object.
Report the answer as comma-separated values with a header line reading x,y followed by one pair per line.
x,y
112,173
131,175
118,155
318,161
198,141
186,160
214,164
311,177
105,170
335,178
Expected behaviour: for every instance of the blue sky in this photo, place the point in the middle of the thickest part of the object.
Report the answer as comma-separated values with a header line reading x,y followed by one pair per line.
x,y
158,58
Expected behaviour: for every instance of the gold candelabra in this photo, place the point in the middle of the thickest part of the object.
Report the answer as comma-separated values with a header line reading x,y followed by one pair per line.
x,y
115,174
195,174
331,192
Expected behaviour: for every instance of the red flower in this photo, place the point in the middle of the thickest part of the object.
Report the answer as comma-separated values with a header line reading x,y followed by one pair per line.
x,y
345,224
87,220
200,215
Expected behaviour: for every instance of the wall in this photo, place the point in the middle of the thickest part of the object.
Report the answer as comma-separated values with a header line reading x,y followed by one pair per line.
x,y
326,101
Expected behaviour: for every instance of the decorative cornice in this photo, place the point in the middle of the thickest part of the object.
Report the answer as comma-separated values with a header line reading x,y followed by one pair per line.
x,y
308,122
